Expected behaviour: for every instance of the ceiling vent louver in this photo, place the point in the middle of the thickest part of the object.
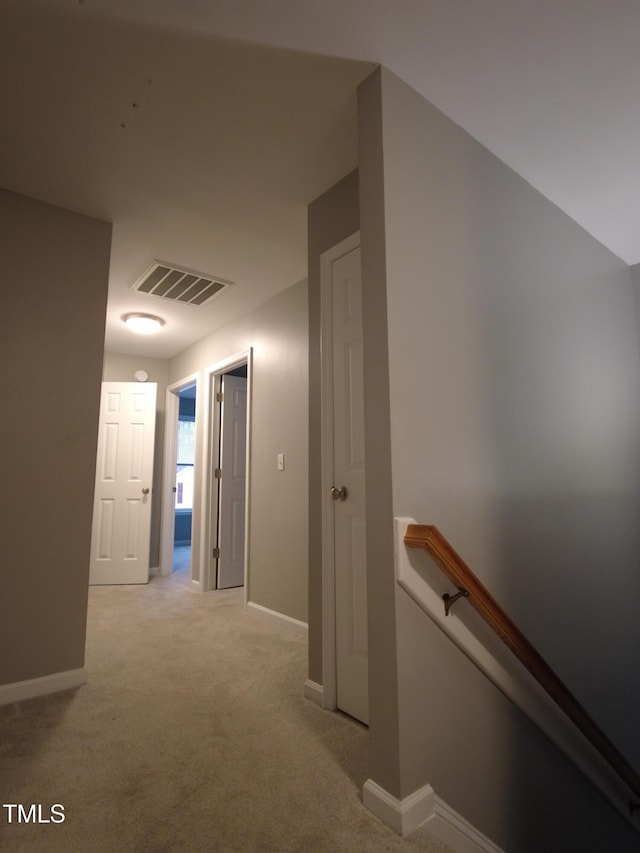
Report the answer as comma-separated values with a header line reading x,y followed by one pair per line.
x,y
179,285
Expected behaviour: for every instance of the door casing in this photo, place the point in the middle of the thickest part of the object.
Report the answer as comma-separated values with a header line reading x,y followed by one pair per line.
x,y
209,490
329,667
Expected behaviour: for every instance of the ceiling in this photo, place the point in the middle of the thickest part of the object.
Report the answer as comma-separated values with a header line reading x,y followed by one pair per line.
x,y
203,128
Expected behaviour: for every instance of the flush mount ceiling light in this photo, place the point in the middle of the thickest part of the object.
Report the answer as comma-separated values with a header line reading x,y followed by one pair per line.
x,y
143,324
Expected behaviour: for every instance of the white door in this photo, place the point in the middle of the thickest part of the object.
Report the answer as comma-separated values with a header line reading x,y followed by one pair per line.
x,y
124,480
232,483
347,492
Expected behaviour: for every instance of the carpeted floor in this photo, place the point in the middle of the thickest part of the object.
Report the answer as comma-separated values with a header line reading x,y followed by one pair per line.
x,y
181,557
191,735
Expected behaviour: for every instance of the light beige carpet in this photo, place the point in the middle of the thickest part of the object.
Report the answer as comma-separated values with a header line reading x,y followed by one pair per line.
x,y
192,735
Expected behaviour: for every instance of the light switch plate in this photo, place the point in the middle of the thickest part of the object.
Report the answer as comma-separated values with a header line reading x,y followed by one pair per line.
x,y
280,462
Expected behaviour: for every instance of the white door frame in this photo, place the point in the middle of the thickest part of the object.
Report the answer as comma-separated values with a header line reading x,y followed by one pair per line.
x,y
171,416
211,432
329,673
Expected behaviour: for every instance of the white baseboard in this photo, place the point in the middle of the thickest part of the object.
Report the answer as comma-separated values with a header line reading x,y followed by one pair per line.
x,y
283,619
154,571
196,586
314,692
425,809
54,683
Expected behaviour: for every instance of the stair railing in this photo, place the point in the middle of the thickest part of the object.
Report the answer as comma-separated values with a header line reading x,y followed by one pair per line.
x,y
429,539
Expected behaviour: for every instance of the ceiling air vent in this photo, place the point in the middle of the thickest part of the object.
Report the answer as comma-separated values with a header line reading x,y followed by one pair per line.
x,y
179,285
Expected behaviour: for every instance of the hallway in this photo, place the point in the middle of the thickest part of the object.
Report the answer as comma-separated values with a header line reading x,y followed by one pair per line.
x,y
192,734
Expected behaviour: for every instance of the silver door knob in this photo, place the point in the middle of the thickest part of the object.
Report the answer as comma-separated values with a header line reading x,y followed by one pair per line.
x,y
339,494
145,491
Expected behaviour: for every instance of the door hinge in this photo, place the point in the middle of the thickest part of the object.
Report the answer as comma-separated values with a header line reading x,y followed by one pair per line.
x,y
218,474
219,397
216,553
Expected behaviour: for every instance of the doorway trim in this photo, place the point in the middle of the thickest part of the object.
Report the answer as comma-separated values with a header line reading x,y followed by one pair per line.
x,y
171,415
329,664
209,491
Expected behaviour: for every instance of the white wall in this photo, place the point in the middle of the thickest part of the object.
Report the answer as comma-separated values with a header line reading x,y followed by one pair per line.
x,y
52,303
514,388
277,331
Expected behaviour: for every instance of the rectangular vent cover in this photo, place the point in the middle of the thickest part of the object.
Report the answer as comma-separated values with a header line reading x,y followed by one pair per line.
x,y
179,285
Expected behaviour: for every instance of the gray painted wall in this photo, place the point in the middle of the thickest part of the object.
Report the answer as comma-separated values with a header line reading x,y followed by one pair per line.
x,y
52,305
121,368
277,331
515,401
384,722
635,280
331,218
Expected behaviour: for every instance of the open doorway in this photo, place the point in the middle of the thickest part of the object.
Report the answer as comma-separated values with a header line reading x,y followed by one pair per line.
x,y
180,478
227,472
220,511
183,488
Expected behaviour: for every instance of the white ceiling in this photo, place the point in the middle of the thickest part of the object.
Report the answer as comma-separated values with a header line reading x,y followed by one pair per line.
x,y
245,112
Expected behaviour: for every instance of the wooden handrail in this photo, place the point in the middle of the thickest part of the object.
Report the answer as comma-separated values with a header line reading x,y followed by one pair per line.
x,y
429,538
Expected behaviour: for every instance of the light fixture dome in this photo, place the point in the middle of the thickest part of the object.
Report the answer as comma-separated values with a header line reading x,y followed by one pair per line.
x,y
143,324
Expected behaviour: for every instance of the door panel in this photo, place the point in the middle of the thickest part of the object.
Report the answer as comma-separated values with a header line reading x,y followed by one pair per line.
x,y
231,495
350,559
124,468
105,509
